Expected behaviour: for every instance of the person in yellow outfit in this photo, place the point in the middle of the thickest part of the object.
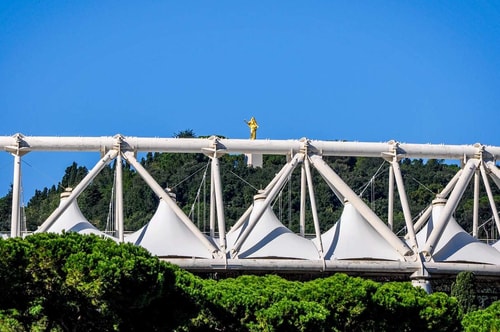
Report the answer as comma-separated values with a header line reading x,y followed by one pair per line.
x,y
253,127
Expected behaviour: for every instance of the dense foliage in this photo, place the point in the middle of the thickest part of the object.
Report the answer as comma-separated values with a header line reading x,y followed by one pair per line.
x,y
74,282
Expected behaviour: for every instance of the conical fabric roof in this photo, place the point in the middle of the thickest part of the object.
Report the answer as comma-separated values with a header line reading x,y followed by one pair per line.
x,y
165,235
455,244
496,245
352,237
72,220
271,239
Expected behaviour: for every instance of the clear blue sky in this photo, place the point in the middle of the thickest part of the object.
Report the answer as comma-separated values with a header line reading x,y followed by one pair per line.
x,y
413,71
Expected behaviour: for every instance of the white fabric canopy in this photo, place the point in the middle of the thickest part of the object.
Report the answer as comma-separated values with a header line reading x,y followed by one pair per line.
x,y
72,220
352,237
271,239
455,244
165,235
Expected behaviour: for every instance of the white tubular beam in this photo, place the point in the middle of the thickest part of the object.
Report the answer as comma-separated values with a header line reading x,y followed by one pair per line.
x,y
212,201
302,221
220,203
242,219
266,190
404,204
314,209
475,212
449,187
119,197
450,206
287,170
495,172
390,201
15,223
490,196
333,189
195,145
108,157
158,190
362,208
443,194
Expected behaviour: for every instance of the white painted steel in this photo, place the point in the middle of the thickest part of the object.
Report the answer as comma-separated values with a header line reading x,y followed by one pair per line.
x,y
72,220
475,208
15,224
257,213
495,172
258,146
18,145
404,204
221,221
352,237
450,206
77,190
119,197
302,216
491,199
443,194
314,209
362,208
158,190
455,245
390,200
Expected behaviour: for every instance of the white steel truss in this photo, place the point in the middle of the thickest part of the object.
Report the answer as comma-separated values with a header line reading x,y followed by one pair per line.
x,y
478,162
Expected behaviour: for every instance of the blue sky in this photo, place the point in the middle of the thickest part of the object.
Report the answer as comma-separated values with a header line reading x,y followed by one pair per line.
x,y
413,71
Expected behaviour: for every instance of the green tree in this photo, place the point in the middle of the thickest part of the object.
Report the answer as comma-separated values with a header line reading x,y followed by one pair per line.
x,y
487,320
82,283
464,289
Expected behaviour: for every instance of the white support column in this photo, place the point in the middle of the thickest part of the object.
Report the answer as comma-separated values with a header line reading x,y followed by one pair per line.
x,y
108,157
475,212
491,199
15,223
212,201
242,219
360,206
443,194
265,191
390,203
302,221
450,206
314,209
160,192
283,176
119,197
495,172
219,203
333,189
404,203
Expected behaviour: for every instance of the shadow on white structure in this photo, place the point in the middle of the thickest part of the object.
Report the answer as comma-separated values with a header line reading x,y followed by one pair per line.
x,y
165,235
352,237
455,245
72,220
270,238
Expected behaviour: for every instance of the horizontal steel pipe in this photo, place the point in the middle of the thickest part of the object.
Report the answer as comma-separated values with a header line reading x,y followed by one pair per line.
x,y
353,266
258,146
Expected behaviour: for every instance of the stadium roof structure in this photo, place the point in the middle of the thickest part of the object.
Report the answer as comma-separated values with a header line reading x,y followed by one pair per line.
x,y
456,245
166,235
360,242
72,220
